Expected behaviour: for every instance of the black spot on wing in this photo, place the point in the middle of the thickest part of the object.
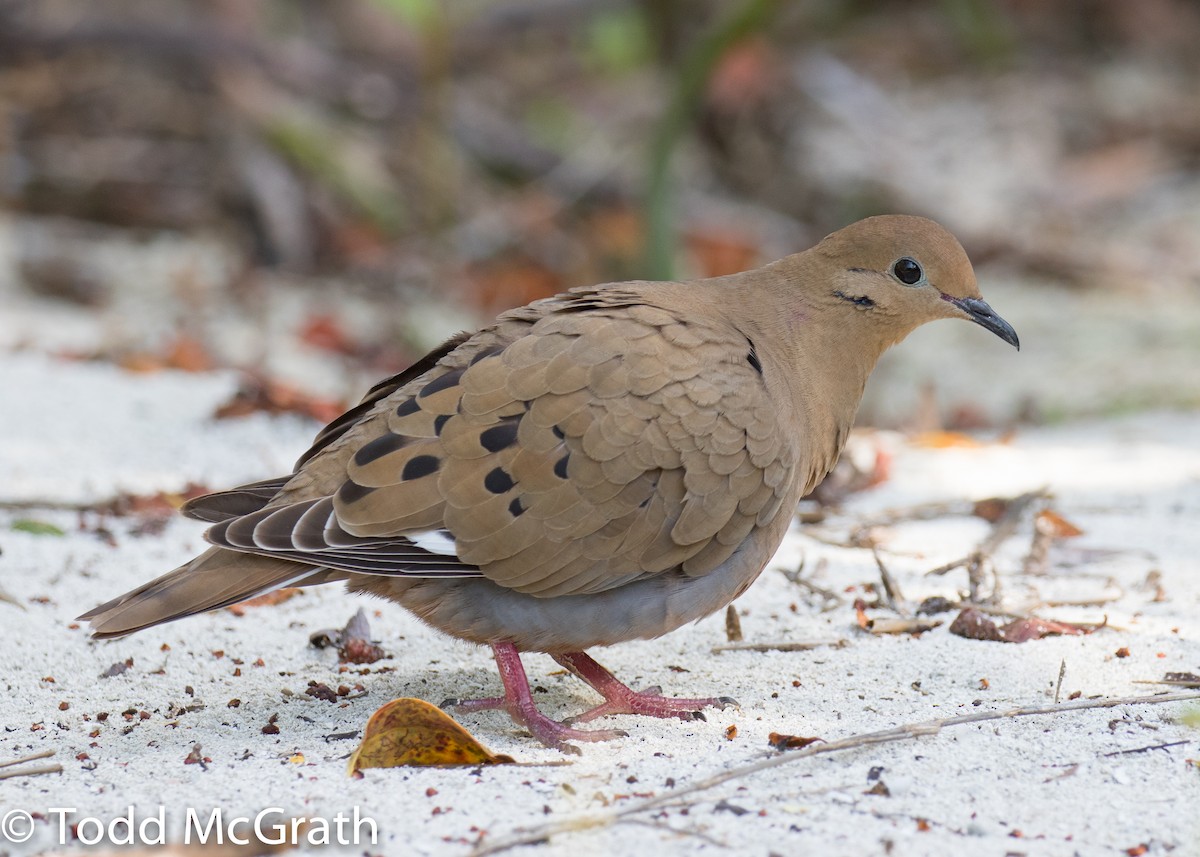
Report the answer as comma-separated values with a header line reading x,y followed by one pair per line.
x,y
498,481
486,353
352,492
420,465
515,508
378,448
560,466
408,406
442,382
378,393
500,436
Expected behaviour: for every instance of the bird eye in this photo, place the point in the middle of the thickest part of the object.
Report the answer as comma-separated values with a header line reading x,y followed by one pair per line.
x,y
908,271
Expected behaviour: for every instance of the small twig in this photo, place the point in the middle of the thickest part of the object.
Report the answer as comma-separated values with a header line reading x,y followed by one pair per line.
x,y
980,559
902,625
1038,558
575,824
43,754
948,567
920,512
1146,749
832,599
891,589
47,505
1095,601
776,646
32,772
1062,671
1172,682
660,825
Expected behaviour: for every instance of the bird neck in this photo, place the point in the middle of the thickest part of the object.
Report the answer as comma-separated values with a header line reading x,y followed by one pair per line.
x,y
817,353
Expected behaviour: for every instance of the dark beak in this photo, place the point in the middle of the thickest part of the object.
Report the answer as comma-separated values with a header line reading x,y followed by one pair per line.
x,y
984,316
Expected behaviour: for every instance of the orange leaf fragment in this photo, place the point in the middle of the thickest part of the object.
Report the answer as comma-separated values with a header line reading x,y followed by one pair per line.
x,y
326,332
413,732
258,393
945,440
860,614
781,741
1053,524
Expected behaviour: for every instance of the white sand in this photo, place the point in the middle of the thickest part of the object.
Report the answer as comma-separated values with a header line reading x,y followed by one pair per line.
x,y
1041,786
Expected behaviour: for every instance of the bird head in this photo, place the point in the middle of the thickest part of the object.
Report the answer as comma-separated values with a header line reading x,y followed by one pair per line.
x,y
896,272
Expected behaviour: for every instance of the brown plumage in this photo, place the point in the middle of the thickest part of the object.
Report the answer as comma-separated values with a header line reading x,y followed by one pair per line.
x,y
604,465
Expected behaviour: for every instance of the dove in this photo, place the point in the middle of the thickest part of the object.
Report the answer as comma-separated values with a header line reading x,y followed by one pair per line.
x,y
604,465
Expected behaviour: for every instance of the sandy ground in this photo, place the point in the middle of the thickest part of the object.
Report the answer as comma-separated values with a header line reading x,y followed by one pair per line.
x,y
1060,784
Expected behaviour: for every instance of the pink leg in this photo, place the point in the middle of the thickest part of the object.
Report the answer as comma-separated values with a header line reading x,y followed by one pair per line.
x,y
621,699
518,702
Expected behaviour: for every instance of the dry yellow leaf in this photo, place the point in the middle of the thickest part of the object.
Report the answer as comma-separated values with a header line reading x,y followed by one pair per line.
x,y
413,732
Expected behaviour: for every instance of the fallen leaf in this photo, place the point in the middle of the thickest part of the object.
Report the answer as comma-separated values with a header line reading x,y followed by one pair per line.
x,y
184,353
1183,677
860,614
413,732
325,332
935,604
320,690
974,625
356,646
781,741
36,528
257,393
118,668
1053,524
188,354
1033,628
991,509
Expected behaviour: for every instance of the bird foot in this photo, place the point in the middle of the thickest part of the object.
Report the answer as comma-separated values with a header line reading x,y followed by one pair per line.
x,y
619,698
518,702
549,732
653,704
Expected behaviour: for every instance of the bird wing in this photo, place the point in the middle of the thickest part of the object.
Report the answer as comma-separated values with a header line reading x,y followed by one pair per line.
x,y
584,442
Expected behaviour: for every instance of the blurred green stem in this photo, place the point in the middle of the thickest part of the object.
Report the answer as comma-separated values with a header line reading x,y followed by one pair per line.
x,y
694,73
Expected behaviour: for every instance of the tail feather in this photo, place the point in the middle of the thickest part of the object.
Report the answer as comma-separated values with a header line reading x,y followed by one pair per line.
x,y
217,578
225,505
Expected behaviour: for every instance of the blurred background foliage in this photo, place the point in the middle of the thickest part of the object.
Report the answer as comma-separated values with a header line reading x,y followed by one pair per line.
x,y
239,183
